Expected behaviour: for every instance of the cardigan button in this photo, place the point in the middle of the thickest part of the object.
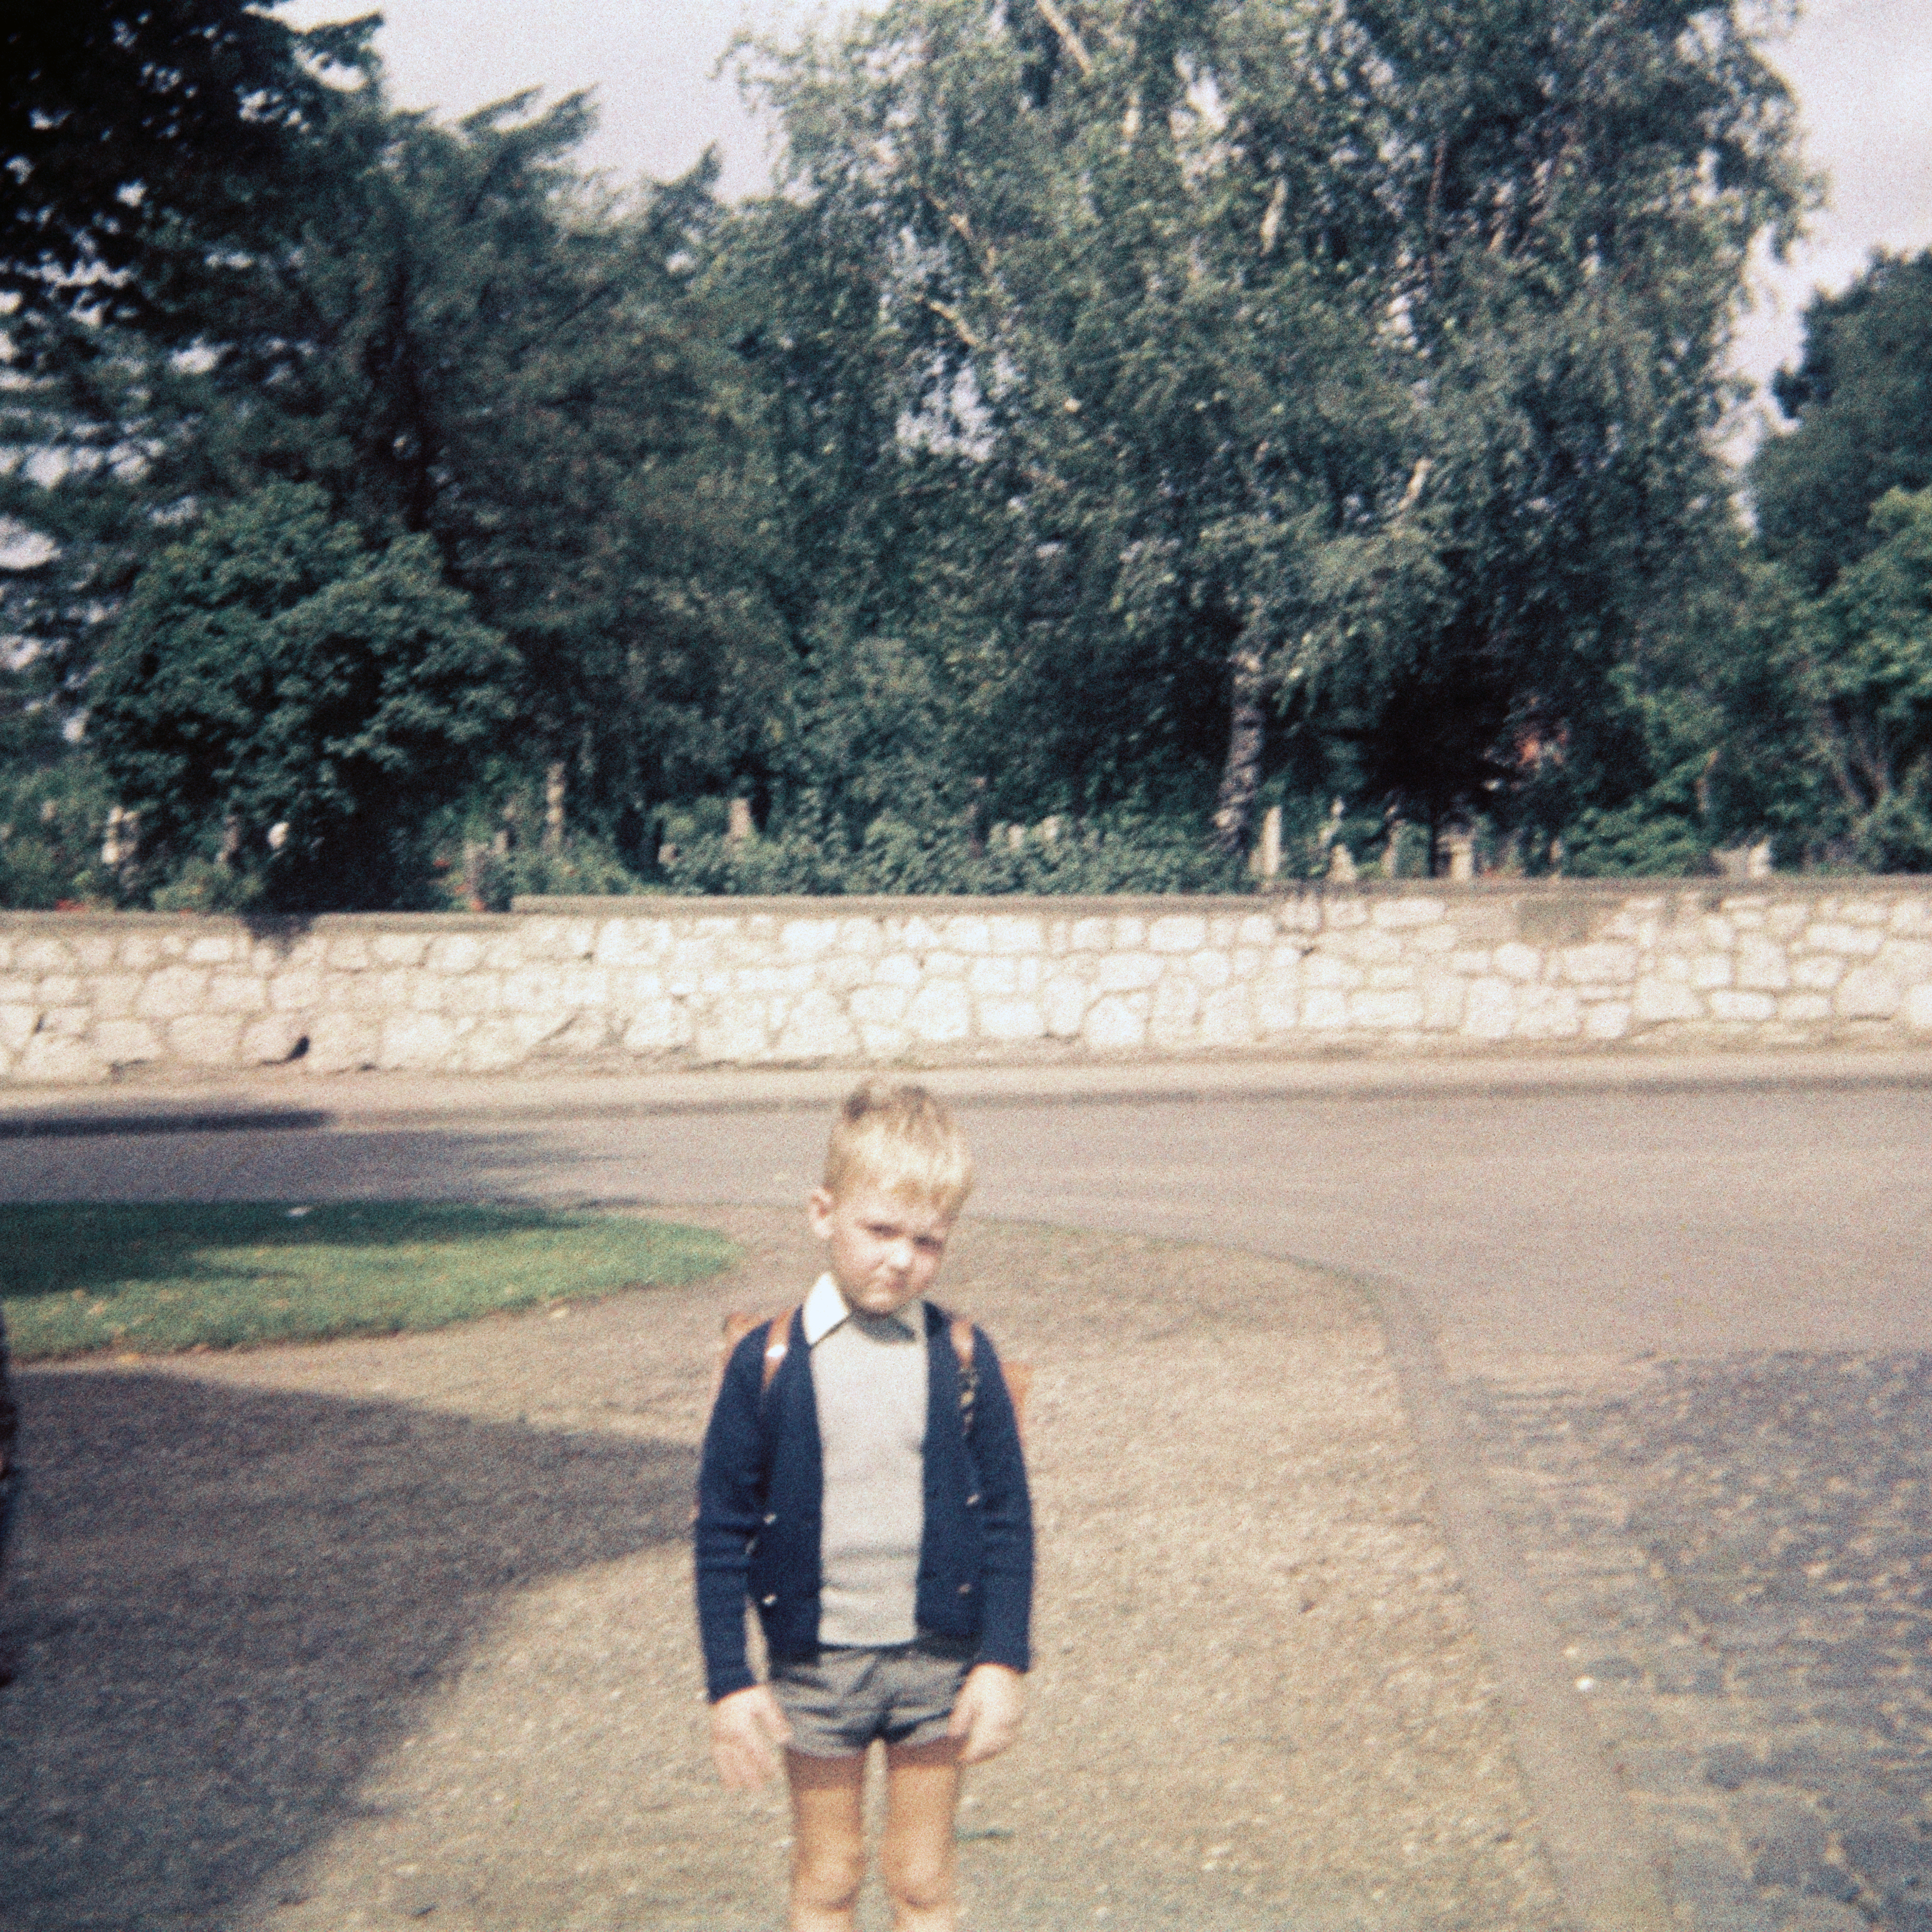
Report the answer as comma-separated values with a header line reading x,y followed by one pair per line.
x,y
970,1501
965,1589
768,1601
772,1517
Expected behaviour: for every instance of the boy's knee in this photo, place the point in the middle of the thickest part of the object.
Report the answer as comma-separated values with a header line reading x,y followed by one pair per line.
x,y
919,1882
828,1877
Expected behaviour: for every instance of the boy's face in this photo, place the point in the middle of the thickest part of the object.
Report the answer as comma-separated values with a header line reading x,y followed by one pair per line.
x,y
883,1249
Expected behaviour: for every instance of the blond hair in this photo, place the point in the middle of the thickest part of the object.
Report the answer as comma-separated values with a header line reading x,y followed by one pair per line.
x,y
901,1140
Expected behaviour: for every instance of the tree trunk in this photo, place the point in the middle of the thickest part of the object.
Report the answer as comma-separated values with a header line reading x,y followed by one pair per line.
x,y
1247,740
554,796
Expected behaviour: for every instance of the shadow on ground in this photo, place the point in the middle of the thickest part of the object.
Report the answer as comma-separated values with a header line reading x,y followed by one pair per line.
x,y
229,1602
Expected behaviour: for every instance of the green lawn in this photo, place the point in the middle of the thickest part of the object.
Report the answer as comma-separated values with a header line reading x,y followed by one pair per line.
x,y
152,1279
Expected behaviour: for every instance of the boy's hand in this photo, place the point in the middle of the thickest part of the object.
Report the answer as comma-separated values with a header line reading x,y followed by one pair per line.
x,y
986,1719
747,1728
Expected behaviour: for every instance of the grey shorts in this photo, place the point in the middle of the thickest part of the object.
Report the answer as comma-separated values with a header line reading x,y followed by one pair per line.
x,y
838,1701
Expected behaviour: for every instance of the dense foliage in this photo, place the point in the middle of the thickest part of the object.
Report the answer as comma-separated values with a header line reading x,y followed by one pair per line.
x,y
1125,416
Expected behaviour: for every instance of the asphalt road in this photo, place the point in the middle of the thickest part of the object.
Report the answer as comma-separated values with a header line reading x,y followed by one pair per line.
x,y
1684,1336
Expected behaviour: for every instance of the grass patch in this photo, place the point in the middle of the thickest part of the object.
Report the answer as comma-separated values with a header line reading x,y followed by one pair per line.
x,y
75,1279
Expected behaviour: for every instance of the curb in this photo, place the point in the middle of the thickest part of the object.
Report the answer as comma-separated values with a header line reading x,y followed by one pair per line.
x,y
284,1102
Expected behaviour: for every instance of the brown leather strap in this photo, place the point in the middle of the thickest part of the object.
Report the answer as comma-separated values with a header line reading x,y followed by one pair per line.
x,y
778,1343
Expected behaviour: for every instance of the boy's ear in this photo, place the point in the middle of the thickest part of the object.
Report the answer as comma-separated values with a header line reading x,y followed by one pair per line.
x,y
819,1205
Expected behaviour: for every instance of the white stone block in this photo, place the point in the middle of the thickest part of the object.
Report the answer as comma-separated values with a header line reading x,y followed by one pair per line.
x,y
1394,979
348,953
1322,968
1227,1018
1209,969
1918,1010
1385,1013
401,949
809,938
1817,972
658,1025
342,1041
127,1042
17,1023
1065,1006
1126,972
493,1047
1548,1012
968,933
270,1040
1325,1009
1521,963
236,993
533,1030
1787,920
1114,1025
1445,1000
940,1014
1431,940
113,994
631,942
475,994
1471,965
1856,941
425,1041
1340,915
1913,916
212,949
66,1022
1908,961
458,953
44,955
1177,932
861,938
58,989
1726,1005
1599,965
140,951
1866,993
1277,1003
1091,935
816,1028
1256,929
1867,912
49,1061
172,991
1011,1019
1491,1011
1711,969
543,937
1762,965
993,976
1609,1020
1804,1007
1013,934
1129,934
94,951
587,1034
1659,998
1177,1006
206,1039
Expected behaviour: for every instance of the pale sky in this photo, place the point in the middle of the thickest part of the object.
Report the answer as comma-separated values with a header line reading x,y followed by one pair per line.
x,y
1862,69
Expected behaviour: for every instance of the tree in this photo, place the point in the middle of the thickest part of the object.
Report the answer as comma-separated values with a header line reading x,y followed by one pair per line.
x,y
1861,397
1860,659
1357,365
282,702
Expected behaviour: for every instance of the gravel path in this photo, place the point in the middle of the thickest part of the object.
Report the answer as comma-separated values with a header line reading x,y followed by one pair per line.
x,y
376,1633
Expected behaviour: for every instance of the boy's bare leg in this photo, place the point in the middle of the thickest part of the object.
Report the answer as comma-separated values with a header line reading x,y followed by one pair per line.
x,y
915,1856
828,1824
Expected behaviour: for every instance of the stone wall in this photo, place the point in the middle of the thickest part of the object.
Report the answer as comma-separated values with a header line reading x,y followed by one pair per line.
x,y
637,983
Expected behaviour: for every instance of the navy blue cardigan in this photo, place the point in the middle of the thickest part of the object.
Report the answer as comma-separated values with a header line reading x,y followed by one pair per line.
x,y
759,1494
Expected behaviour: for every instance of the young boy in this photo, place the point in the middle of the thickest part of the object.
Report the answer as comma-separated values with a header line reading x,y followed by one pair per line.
x,y
864,1486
